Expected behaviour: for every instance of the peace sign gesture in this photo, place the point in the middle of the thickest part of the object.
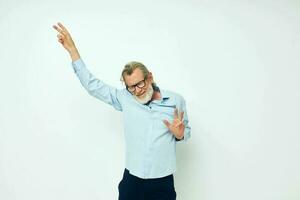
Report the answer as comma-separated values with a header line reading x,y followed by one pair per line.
x,y
64,37
177,127
66,40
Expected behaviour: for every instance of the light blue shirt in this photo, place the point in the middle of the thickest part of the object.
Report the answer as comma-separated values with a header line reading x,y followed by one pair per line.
x,y
150,146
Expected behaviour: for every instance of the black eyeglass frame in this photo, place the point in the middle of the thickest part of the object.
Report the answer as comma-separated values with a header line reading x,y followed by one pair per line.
x,y
136,85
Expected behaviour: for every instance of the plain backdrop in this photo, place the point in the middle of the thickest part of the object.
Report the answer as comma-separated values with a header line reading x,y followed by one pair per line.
x,y
236,62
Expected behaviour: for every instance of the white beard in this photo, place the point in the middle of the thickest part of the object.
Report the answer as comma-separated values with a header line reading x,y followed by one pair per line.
x,y
148,96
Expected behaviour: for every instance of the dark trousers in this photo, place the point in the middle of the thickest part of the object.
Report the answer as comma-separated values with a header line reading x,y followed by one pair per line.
x,y
135,188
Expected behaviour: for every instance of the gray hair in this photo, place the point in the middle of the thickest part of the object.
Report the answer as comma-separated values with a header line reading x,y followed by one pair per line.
x,y
131,66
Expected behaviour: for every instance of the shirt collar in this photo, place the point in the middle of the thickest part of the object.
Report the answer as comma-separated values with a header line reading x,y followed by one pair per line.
x,y
164,95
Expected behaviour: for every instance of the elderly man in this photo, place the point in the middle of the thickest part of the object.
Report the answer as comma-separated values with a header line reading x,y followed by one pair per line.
x,y
154,120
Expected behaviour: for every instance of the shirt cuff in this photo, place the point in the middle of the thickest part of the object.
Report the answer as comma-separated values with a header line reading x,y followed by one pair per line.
x,y
179,139
186,135
78,64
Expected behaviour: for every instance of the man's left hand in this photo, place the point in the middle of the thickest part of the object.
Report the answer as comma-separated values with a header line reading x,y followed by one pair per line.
x,y
177,126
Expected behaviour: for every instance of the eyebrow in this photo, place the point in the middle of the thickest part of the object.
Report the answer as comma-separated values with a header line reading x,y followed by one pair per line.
x,y
135,84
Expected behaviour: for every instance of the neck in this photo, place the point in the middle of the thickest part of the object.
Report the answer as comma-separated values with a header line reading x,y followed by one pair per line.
x,y
156,92
156,95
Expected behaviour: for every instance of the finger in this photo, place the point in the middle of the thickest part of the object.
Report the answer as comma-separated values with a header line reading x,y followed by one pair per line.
x,y
167,123
58,29
60,36
177,124
181,116
62,27
176,113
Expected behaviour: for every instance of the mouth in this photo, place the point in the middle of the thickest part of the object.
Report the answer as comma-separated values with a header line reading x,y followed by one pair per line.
x,y
141,94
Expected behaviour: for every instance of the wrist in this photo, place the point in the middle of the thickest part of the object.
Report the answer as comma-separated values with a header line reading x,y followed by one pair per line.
x,y
72,50
179,136
74,54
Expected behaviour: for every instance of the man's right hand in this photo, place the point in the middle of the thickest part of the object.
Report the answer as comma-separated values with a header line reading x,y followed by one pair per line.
x,y
66,40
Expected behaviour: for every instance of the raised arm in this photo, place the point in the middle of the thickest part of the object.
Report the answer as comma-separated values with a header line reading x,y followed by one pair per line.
x,y
64,37
93,85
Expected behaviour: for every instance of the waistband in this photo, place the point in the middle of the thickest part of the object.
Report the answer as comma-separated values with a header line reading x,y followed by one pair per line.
x,y
127,174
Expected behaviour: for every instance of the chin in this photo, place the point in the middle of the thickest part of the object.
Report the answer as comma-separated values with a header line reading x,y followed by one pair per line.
x,y
142,95
145,97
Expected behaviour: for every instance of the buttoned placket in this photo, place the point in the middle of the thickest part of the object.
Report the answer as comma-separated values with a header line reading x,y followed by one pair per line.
x,y
152,112
147,162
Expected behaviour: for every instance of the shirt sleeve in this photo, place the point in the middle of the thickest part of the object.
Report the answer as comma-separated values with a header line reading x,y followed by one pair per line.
x,y
187,130
96,87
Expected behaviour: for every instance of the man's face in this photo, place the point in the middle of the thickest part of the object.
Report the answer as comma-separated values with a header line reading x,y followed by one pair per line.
x,y
142,88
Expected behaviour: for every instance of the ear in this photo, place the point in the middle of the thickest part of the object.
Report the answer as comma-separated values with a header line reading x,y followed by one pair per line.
x,y
150,77
124,79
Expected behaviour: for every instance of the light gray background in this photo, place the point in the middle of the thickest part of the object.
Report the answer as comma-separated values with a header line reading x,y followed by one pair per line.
x,y
235,62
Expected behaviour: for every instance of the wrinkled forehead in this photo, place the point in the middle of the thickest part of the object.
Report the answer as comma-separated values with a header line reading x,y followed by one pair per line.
x,y
136,76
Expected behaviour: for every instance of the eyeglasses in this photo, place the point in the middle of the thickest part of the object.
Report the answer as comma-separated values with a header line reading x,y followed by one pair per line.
x,y
140,85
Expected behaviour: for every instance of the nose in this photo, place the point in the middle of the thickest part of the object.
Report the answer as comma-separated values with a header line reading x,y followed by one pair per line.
x,y
138,90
